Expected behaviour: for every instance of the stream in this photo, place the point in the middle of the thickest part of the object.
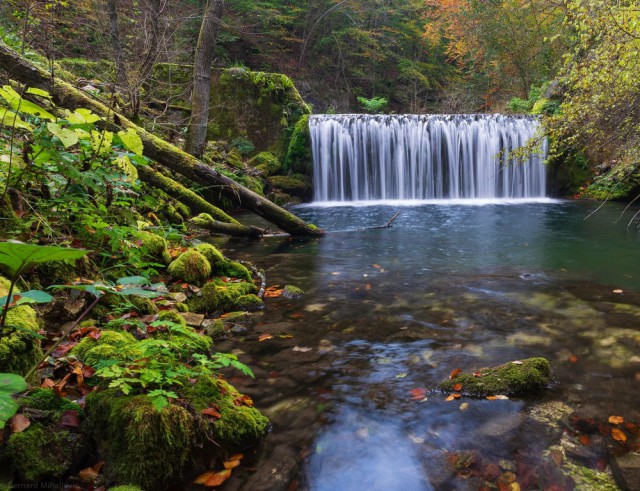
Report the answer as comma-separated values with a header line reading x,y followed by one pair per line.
x,y
462,284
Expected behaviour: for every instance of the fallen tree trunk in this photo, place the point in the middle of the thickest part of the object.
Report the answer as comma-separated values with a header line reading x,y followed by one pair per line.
x,y
204,220
219,223
65,95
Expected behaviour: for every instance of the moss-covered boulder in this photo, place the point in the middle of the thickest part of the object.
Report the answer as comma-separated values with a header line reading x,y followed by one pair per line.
x,y
160,447
152,246
266,162
234,269
291,292
111,345
294,185
519,378
190,266
19,348
249,303
217,296
298,158
50,448
213,255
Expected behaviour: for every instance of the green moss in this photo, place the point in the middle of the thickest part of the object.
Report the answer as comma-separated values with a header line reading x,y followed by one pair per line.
x,y
19,349
239,424
112,345
213,255
215,330
40,454
10,224
51,403
249,303
142,445
170,214
172,316
298,158
234,269
154,246
218,296
292,292
126,487
295,185
182,307
190,266
587,479
129,325
522,378
143,305
266,162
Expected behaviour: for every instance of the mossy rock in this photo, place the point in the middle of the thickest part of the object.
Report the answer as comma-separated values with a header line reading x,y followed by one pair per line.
x,y
143,305
40,453
172,316
233,269
518,378
50,403
282,199
216,329
111,345
240,424
160,447
266,162
217,296
19,349
153,246
291,292
190,266
10,223
213,255
249,303
295,185
298,158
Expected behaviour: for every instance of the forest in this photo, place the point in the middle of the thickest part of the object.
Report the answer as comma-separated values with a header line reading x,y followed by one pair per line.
x,y
256,244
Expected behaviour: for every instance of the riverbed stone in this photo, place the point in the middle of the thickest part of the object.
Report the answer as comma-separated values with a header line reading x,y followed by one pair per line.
x,y
520,378
626,471
193,320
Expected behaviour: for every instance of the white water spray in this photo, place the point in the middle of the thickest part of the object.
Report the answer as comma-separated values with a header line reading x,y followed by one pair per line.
x,y
421,157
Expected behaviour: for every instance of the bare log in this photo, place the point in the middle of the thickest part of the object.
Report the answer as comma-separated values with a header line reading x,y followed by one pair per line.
x,y
65,95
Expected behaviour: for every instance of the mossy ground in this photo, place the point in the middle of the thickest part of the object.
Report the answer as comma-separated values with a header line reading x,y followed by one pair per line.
x,y
153,246
217,296
520,378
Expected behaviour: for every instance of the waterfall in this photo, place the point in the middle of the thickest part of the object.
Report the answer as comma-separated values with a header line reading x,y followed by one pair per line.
x,y
418,157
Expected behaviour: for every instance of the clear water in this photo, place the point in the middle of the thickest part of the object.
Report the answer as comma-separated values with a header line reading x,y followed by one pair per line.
x,y
450,286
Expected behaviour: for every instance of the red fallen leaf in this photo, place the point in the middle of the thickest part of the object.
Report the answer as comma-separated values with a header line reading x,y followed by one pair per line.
x,y
491,472
86,331
456,395
601,464
63,348
79,373
616,420
618,435
264,337
557,457
237,456
604,429
418,393
210,411
47,384
573,359
477,374
88,372
69,419
149,318
273,292
243,400
231,464
457,387
184,286
218,478
585,440
450,398
91,473
59,387
631,427
454,373
492,398
297,315
19,422
204,477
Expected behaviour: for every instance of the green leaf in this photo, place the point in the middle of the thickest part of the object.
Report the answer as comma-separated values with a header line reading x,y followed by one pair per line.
x,y
159,402
31,296
18,257
21,105
67,137
11,119
10,383
8,407
39,92
131,141
101,141
88,116
134,280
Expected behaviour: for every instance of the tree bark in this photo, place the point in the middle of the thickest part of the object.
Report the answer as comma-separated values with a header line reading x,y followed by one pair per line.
x,y
232,229
116,45
197,134
67,96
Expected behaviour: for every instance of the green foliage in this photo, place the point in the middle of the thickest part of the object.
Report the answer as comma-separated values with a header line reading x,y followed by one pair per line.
x,y
17,258
9,384
375,105
244,146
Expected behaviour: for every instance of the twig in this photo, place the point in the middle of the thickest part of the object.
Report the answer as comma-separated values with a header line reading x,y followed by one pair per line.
x,y
388,224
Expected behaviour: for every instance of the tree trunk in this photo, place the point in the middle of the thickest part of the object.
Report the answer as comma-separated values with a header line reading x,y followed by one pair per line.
x,y
116,45
67,96
197,134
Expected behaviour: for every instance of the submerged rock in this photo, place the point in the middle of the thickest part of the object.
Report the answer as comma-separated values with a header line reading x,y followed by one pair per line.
x,y
519,378
291,292
626,471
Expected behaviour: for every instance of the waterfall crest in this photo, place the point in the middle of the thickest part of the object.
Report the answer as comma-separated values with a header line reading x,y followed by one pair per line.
x,y
418,157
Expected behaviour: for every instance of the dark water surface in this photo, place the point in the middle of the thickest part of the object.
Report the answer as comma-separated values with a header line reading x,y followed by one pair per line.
x,y
448,286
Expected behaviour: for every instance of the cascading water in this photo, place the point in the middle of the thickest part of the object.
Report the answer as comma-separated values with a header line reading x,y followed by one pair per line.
x,y
420,157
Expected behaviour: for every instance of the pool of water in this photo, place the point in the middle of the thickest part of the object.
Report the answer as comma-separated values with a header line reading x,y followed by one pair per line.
x,y
456,285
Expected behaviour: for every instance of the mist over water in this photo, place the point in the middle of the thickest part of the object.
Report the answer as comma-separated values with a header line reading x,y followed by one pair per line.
x,y
423,157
